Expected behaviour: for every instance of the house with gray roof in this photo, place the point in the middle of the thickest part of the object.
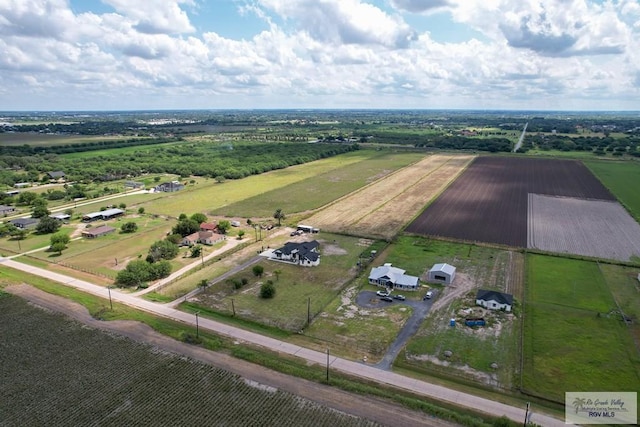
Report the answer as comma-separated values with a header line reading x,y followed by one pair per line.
x,y
494,300
6,210
24,223
104,215
389,276
305,253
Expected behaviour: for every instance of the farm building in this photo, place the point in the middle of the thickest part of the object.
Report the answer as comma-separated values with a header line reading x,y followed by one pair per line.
x,y
56,175
207,226
170,187
104,215
307,229
22,185
133,184
305,253
204,237
5,210
393,277
24,223
61,217
98,231
494,300
441,273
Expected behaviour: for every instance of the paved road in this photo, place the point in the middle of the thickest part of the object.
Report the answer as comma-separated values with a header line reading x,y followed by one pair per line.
x,y
361,370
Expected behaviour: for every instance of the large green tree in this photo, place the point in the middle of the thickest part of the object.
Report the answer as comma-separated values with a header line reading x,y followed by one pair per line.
x,y
47,225
185,227
162,249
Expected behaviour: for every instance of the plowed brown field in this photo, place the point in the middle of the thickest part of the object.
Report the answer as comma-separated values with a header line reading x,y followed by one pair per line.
x,y
381,209
488,203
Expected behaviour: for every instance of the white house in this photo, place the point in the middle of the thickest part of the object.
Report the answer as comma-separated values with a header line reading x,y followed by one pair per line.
x,y
393,277
494,300
441,273
204,237
305,253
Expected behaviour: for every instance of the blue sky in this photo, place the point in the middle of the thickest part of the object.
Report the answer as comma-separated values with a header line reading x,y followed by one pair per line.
x,y
184,54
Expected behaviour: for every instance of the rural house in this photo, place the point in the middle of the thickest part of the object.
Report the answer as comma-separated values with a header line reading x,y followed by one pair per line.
x,y
133,184
56,175
393,277
494,300
24,223
5,210
102,230
204,237
207,226
305,253
169,187
441,273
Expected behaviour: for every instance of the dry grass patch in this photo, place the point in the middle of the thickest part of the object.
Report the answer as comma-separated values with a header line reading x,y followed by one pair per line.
x,y
381,209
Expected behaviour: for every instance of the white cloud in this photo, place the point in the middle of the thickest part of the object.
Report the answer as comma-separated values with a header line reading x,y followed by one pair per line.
x,y
344,21
321,53
155,16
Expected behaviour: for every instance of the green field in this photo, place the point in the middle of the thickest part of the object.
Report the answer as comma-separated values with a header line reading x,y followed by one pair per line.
x,y
323,187
41,140
570,341
617,177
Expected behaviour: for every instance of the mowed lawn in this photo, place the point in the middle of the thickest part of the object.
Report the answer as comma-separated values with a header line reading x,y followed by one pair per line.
x,y
324,187
570,343
211,196
617,176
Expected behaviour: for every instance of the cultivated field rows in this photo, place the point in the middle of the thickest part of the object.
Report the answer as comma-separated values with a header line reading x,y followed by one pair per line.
x,y
595,228
382,208
488,203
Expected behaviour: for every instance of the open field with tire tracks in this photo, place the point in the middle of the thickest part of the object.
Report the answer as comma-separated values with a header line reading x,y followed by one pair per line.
x,y
381,209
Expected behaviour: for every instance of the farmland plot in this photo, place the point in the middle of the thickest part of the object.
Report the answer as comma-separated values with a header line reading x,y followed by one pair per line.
x,y
595,228
488,203
382,208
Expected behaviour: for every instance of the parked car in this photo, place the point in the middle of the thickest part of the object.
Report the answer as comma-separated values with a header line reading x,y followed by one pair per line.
x,y
387,299
383,293
399,297
428,295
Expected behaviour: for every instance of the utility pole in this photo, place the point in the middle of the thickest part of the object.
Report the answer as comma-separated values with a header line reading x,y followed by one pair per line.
x,y
233,307
526,416
327,364
197,328
309,311
110,302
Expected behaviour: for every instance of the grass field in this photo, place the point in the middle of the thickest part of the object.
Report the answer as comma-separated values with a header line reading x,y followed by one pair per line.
x,y
322,188
211,196
616,176
570,343
299,290
38,139
473,349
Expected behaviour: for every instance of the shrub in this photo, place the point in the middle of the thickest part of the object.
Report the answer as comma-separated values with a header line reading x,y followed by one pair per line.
x,y
267,290
258,270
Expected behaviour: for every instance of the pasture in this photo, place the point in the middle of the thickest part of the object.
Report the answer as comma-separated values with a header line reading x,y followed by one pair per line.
x,y
323,188
43,140
572,341
212,196
616,176
59,372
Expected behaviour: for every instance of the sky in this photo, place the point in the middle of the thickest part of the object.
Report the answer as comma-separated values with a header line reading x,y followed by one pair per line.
x,y
60,55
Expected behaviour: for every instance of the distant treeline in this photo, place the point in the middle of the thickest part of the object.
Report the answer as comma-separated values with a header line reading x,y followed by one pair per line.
x,y
78,147
598,145
231,161
444,142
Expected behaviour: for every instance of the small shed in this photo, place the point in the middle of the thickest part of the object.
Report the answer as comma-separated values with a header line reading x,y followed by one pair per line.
x,y
441,273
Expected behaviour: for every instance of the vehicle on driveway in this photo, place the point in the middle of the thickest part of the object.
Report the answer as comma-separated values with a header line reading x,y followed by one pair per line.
x,y
383,293
399,297
387,299
428,295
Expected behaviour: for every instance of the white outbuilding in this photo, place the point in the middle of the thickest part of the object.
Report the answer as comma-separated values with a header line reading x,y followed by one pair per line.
x,y
441,273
